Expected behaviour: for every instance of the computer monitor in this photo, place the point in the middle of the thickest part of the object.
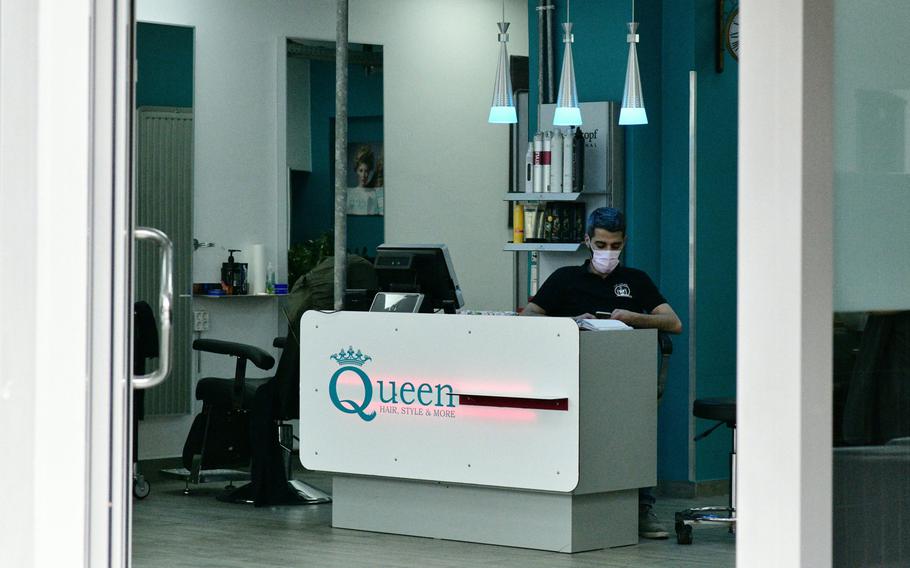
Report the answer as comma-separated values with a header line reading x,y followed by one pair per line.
x,y
426,269
402,302
358,299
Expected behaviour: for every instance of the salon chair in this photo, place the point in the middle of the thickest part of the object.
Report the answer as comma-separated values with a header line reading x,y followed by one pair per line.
x,y
238,410
219,438
276,404
723,410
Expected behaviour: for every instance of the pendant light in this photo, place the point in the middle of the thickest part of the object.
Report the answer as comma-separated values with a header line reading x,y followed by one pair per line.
x,y
633,103
567,111
502,109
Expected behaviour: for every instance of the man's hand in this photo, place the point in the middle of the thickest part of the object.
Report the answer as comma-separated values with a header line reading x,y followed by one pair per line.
x,y
584,316
662,317
625,316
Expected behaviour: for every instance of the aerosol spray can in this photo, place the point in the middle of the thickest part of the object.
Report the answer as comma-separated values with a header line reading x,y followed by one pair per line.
x,y
578,161
567,161
545,159
556,161
538,164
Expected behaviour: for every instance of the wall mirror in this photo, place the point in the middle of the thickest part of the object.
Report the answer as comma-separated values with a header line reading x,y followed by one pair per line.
x,y
310,138
164,127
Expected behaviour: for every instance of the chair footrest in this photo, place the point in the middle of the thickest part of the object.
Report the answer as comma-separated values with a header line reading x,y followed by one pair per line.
x,y
308,493
707,515
207,475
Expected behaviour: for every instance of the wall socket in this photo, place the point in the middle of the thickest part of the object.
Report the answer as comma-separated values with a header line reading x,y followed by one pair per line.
x,y
200,320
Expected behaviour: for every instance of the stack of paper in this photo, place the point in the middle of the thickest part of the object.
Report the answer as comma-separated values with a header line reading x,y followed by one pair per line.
x,y
601,324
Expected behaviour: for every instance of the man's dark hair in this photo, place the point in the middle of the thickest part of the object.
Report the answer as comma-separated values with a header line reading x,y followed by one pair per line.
x,y
608,219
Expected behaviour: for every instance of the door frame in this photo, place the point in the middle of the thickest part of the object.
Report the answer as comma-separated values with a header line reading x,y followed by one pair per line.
x,y
785,284
64,135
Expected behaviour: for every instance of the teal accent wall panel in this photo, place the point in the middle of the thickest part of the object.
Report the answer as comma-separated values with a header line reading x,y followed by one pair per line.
x,y
677,59
716,236
165,65
675,38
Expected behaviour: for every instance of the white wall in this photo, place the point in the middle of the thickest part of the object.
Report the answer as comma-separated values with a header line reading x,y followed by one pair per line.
x,y
445,167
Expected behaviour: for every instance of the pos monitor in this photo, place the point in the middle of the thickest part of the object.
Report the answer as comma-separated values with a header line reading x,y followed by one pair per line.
x,y
426,269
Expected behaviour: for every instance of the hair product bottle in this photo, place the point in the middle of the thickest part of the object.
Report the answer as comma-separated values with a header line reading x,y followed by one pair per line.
x,y
530,215
518,223
578,161
538,165
556,161
567,160
545,159
529,168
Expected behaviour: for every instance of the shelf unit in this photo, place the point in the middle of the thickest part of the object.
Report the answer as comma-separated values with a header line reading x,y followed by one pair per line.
x,y
208,297
551,196
542,247
604,185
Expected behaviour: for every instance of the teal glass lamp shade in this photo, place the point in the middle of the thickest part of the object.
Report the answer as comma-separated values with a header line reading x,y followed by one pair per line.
x,y
567,116
633,103
502,109
567,111
502,115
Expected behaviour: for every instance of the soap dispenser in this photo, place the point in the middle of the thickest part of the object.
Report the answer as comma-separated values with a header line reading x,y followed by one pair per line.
x,y
233,275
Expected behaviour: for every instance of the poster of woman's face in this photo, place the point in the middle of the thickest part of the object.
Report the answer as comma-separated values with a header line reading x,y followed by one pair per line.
x,y
366,194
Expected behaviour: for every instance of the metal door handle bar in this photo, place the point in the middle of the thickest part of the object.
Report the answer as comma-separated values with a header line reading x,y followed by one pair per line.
x,y
165,308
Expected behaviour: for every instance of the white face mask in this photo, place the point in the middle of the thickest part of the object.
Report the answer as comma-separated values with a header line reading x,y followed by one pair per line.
x,y
605,261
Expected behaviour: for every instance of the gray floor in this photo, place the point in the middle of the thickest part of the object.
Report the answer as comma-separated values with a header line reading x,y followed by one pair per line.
x,y
171,529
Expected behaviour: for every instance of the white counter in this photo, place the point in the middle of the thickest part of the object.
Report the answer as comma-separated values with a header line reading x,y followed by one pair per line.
x,y
486,416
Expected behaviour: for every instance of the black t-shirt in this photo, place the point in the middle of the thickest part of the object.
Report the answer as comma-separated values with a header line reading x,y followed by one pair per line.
x,y
574,290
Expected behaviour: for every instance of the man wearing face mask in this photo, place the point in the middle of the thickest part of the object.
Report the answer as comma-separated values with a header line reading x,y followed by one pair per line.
x,y
602,284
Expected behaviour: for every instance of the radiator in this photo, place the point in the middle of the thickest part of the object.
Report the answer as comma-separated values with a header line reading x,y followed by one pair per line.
x,y
164,200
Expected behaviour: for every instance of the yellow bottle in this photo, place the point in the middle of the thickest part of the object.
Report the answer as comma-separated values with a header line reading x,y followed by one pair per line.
x,y
518,223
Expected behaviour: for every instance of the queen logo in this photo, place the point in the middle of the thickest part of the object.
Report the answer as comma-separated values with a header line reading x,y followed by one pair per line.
x,y
351,362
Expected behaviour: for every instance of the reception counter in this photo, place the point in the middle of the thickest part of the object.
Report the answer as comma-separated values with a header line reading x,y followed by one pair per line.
x,y
501,430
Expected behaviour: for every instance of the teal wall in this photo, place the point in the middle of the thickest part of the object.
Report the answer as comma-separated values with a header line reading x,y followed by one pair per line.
x,y
675,37
313,195
716,236
164,56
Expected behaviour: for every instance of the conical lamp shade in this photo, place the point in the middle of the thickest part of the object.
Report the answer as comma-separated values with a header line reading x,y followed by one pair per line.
x,y
502,109
567,111
633,103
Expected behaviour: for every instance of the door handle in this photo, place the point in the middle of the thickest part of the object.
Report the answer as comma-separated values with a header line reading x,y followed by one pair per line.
x,y
165,308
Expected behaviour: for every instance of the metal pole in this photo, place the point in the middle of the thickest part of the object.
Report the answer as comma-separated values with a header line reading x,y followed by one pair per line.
x,y
540,56
550,94
341,152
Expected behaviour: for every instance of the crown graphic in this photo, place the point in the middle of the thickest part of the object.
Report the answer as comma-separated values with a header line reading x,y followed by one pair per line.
x,y
350,357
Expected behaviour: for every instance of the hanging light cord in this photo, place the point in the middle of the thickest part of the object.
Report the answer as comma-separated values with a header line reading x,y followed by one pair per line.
x,y
568,11
503,10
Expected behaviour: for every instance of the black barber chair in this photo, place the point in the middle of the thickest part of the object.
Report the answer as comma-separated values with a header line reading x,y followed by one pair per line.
x,y
723,410
243,422
145,347
219,438
276,403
